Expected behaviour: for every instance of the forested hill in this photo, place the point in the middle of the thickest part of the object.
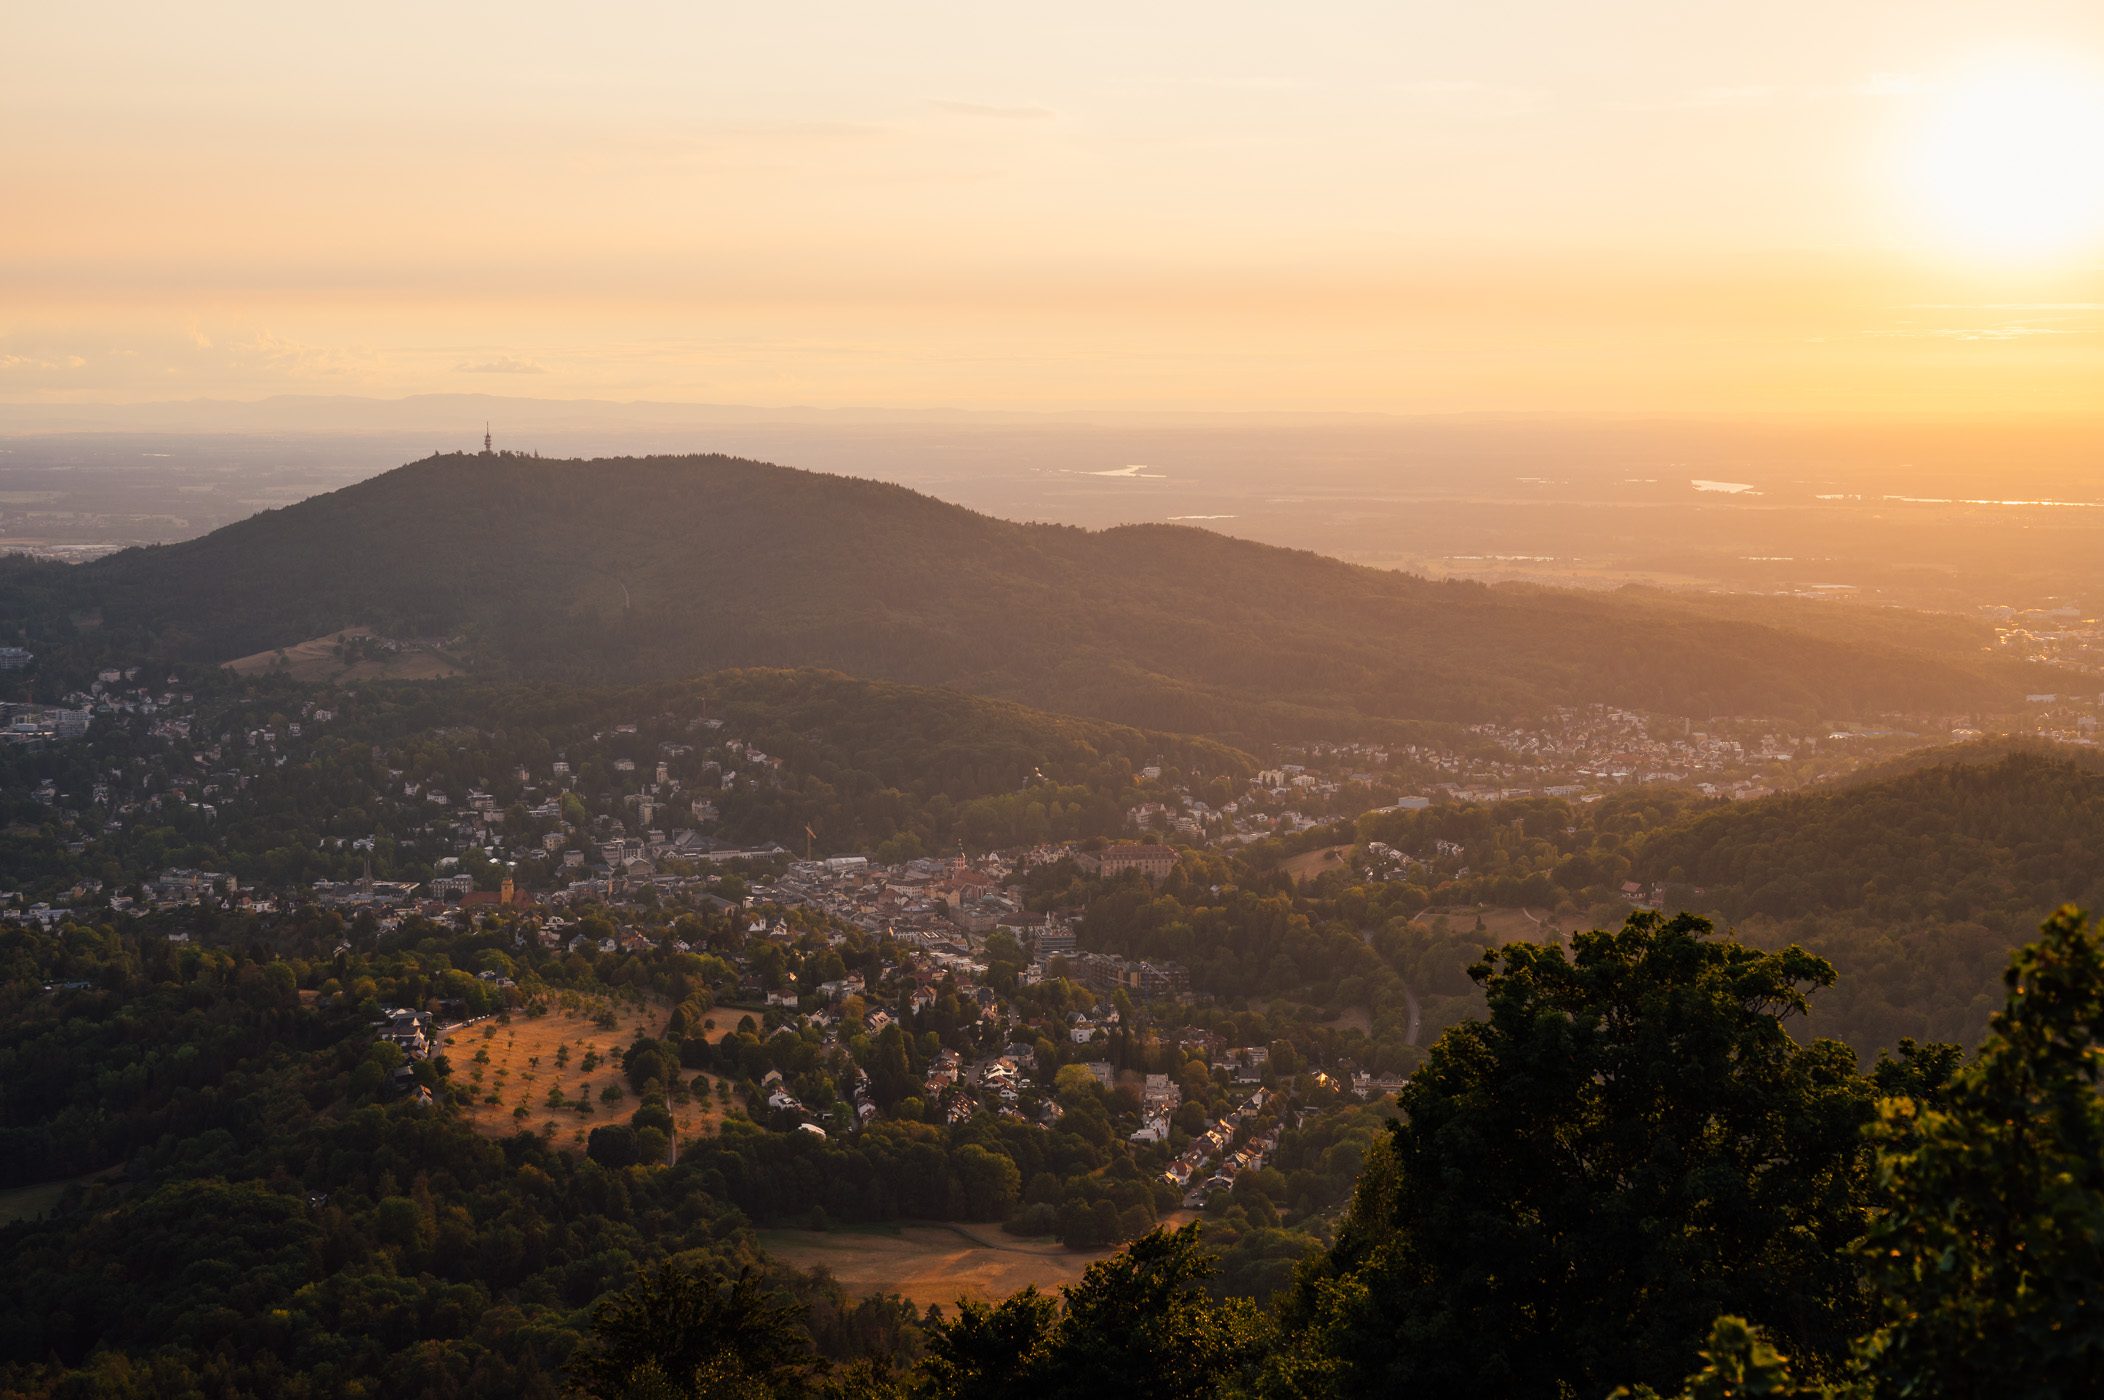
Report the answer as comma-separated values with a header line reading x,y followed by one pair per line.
x,y
639,568
1966,837
1916,883
928,741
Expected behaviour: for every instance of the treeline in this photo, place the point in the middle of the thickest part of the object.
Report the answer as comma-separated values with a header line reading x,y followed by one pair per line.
x,y
1915,884
907,771
1959,840
1916,881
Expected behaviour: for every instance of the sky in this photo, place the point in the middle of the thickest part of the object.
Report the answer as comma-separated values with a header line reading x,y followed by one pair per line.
x,y
1631,206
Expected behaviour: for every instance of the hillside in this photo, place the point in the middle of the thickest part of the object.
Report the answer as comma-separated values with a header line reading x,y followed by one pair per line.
x,y
631,569
1916,882
1969,836
868,765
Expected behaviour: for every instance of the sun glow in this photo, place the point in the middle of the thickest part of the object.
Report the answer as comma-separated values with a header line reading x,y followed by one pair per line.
x,y
2009,163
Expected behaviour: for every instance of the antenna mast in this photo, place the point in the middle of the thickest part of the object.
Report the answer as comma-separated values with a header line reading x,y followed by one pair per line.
x,y
485,438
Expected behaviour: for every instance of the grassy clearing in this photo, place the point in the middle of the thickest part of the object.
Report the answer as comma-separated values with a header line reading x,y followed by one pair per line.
x,y
316,659
30,1202
927,1262
1308,864
1499,925
34,1202
931,1263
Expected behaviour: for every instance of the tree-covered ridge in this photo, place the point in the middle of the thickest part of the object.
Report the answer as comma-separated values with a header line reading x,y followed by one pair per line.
x,y
677,565
1917,884
862,763
876,760
1916,881
1954,838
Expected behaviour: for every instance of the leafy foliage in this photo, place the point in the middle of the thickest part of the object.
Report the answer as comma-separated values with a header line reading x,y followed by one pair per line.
x,y
1630,1144
1138,1323
1989,1258
675,1330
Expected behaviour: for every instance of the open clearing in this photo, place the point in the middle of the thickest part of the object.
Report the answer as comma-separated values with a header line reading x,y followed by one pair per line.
x,y
1352,1018
1308,864
34,1202
933,1263
31,1202
317,659
529,1055
1499,925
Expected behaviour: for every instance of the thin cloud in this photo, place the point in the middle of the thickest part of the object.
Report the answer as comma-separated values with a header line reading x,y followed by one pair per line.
x,y
275,354
1891,85
1469,95
1993,332
503,364
2008,306
992,112
1708,99
1971,333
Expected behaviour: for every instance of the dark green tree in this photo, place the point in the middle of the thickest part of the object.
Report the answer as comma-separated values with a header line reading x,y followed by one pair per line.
x,y
986,1353
674,1332
1628,1146
613,1146
1738,1364
1989,1262
1138,1323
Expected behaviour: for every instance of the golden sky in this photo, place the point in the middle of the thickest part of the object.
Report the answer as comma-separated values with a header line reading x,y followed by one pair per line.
x,y
1847,206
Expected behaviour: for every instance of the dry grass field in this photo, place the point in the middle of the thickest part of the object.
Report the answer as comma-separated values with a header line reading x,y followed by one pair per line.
x,y
1353,1018
31,1202
1308,864
930,1263
34,1202
316,660
934,1263
1500,925
527,1056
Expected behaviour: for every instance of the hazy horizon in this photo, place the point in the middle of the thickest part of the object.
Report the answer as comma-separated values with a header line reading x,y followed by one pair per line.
x,y
1523,207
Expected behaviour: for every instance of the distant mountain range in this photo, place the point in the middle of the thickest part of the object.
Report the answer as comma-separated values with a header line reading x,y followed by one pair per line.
x,y
642,568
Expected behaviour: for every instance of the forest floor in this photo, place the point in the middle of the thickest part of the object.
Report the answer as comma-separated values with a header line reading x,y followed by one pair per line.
x,y
523,1064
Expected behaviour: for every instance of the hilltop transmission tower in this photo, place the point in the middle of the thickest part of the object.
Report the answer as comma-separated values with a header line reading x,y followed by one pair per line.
x,y
485,438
